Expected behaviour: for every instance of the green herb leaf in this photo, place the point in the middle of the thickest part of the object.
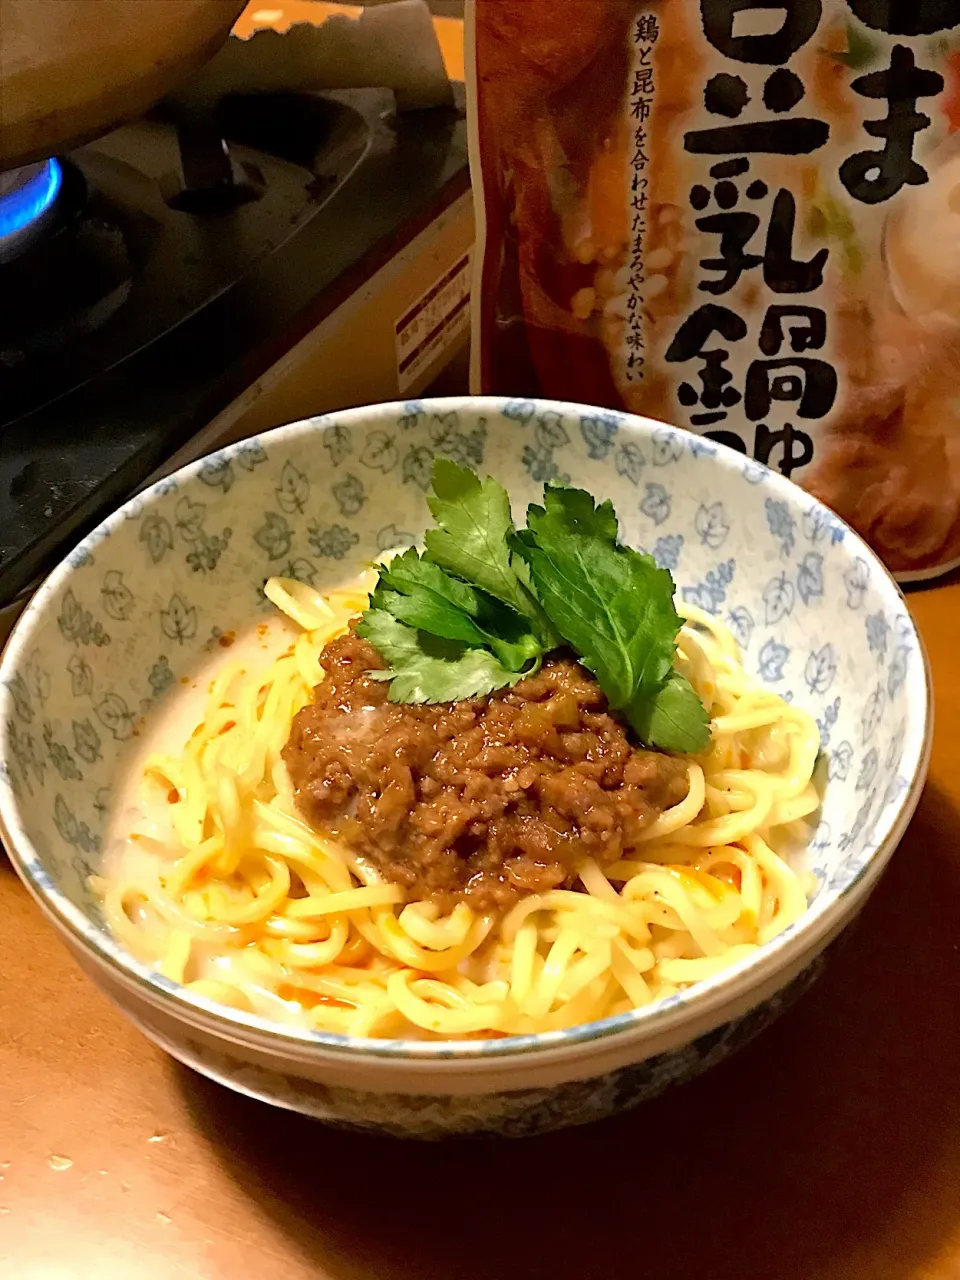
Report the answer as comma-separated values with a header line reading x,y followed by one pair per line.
x,y
580,514
614,606
674,720
425,668
611,604
478,611
473,540
423,595
418,592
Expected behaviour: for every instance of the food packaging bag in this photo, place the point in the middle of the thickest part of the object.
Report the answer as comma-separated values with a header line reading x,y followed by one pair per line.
x,y
737,216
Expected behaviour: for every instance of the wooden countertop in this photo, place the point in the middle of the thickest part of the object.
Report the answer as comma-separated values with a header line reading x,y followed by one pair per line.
x,y
829,1148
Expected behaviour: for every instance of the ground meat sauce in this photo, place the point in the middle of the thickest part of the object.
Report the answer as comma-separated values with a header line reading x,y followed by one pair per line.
x,y
482,800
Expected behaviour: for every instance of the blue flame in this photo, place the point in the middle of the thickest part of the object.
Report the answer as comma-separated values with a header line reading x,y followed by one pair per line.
x,y
25,204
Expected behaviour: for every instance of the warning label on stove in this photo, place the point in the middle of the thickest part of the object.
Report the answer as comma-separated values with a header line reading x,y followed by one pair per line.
x,y
434,322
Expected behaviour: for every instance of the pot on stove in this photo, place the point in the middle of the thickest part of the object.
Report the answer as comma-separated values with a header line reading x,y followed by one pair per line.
x,y
70,70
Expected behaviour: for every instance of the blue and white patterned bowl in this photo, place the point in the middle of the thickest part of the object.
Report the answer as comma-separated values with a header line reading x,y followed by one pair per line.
x,y
142,602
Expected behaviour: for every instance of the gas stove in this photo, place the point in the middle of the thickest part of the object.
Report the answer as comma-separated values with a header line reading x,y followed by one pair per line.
x,y
188,280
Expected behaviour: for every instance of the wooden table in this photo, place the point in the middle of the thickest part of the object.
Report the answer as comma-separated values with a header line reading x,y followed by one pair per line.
x,y
829,1148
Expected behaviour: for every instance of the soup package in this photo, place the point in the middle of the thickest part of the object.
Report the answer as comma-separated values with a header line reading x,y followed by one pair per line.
x,y
738,216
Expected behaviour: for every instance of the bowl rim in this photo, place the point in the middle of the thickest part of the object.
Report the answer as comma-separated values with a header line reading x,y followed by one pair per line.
x,y
701,999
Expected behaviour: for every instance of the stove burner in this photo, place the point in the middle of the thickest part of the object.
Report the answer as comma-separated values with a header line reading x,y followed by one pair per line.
x,y
138,324
27,198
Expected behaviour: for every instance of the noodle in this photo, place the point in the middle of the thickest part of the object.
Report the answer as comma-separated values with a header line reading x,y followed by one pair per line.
x,y
243,903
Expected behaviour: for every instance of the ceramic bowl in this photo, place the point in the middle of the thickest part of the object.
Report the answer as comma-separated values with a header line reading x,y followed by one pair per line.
x,y
142,602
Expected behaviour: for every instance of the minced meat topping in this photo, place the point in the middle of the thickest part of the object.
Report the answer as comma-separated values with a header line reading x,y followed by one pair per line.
x,y
483,800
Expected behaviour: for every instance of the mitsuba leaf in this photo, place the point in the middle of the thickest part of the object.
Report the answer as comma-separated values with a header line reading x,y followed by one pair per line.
x,y
473,539
579,513
425,668
674,719
614,606
482,606
421,594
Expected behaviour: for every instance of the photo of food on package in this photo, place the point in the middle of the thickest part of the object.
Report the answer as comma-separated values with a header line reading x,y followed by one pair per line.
x,y
741,217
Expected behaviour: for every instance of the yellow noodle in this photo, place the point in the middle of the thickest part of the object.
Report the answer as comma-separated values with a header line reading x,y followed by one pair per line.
x,y
247,906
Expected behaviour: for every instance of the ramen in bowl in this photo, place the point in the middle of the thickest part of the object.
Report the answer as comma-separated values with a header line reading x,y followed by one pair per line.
x,y
482,792
428,768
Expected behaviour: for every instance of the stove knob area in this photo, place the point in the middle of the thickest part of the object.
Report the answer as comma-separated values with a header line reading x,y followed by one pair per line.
x,y
209,180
